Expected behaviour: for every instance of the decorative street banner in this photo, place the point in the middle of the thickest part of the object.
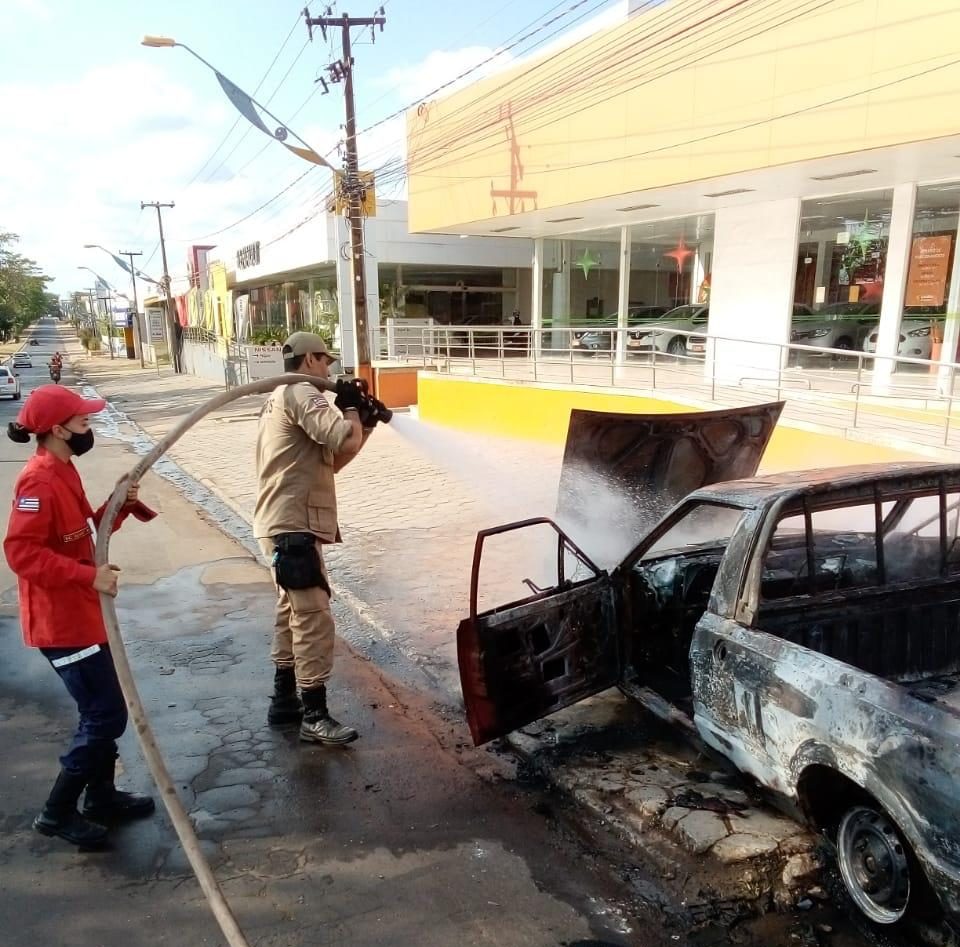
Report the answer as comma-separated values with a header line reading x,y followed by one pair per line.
x,y
263,361
929,268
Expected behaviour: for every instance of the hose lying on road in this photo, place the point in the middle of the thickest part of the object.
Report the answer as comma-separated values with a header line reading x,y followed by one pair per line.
x,y
138,715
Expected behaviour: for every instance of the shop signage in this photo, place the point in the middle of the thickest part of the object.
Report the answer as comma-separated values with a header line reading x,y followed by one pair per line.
x,y
157,333
248,256
929,268
263,361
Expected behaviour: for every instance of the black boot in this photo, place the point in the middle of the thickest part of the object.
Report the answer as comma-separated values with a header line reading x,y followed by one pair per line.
x,y
60,817
318,726
285,706
107,803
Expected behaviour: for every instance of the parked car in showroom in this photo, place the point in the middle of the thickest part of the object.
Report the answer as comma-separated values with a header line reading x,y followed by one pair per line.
x,y
666,334
9,383
917,333
697,344
837,326
602,337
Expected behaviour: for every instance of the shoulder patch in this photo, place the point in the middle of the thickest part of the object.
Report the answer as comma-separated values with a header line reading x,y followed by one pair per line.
x,y
28,504
318,401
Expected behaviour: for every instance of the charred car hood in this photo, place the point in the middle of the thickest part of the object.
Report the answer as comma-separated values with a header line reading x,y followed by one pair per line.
x,y
627,470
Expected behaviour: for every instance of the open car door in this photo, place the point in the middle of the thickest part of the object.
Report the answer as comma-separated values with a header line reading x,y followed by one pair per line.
x,y
522,661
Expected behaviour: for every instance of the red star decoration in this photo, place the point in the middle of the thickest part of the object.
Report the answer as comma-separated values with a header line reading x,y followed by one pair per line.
x,y
680,253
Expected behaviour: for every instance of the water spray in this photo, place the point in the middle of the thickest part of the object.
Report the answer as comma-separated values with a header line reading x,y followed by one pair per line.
x,y
158,768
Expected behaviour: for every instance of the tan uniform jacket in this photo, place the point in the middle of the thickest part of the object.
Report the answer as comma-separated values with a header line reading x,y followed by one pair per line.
x,y
299,433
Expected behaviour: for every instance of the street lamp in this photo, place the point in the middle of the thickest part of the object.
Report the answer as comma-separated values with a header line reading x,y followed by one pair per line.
x,y
234,92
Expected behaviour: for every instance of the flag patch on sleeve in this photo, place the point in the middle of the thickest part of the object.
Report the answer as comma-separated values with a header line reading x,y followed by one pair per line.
x,y
28,504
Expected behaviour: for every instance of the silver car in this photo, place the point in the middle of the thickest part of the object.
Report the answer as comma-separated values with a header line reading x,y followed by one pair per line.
x,y
666,334
837,326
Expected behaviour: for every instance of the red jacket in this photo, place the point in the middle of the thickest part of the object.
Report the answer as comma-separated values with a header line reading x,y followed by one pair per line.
x,y
49,545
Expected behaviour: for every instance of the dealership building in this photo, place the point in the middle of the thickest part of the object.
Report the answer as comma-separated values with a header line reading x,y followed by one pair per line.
x,y
759,158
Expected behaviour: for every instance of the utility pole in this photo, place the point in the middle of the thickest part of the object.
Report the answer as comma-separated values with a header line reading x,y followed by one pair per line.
x,y
343,71
171,326
130,254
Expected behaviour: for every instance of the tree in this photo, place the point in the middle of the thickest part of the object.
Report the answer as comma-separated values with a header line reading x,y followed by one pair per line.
x,y
23,289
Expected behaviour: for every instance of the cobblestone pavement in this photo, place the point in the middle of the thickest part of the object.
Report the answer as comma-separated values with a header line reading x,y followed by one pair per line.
x,y
409,523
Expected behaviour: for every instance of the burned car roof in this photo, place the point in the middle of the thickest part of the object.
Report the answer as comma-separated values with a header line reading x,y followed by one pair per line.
x,y
768,489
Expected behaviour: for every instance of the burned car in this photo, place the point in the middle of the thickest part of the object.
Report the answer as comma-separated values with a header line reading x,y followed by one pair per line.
x,y
804,625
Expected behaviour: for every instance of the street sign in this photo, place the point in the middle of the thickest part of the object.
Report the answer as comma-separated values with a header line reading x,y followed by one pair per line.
x,y
263,361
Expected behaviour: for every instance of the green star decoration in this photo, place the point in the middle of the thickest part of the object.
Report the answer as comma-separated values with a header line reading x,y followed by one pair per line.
x,y
587,262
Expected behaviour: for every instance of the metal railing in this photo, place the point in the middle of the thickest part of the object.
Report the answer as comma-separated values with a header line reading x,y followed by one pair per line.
x,y
842,388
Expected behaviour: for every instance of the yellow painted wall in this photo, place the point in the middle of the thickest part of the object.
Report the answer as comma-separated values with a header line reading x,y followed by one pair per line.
x,y
686,92
541,413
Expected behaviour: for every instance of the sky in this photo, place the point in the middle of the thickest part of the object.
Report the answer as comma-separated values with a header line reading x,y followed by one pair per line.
x,y
93,123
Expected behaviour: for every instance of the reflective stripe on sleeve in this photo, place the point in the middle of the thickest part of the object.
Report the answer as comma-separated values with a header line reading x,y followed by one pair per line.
x,y
76,656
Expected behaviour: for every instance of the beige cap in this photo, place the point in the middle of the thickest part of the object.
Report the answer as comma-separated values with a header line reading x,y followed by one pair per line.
x,y
306,343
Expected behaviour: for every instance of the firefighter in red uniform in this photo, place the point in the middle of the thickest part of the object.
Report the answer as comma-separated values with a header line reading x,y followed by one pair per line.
x,y
49,546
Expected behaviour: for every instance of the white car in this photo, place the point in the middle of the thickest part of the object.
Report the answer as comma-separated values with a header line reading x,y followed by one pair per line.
x,y
916,338
664,335
9,383
22,360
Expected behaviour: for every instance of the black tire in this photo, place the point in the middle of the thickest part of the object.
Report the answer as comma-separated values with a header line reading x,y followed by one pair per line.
x,y
844,344
16,397
677,346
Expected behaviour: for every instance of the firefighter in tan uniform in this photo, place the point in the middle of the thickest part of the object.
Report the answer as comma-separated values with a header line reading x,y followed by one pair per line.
x,y
302,443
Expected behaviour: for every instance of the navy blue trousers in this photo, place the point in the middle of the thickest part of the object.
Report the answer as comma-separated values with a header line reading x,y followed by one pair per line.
x,y
92,683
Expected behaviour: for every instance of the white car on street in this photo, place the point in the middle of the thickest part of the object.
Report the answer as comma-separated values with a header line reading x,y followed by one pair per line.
x,y
9,383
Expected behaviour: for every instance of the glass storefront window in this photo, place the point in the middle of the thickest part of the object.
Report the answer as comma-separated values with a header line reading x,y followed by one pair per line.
x,y
930,273
670,265
841,262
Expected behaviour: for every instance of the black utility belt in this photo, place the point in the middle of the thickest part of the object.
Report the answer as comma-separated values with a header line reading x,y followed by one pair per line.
x,y
297,562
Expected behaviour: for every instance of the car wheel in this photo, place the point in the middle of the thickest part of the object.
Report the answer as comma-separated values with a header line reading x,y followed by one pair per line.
x,y
845,344
16,397
875,865
677,346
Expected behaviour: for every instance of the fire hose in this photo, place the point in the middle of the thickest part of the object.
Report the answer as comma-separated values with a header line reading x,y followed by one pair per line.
x,y
138,715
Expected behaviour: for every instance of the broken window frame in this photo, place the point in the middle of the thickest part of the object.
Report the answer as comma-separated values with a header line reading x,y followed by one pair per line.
x,y
564,545
876,494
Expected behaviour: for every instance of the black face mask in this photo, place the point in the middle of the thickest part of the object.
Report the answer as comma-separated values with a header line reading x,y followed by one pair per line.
x,y
80,443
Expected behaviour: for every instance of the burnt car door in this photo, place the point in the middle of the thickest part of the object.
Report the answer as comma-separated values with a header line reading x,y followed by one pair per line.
x,y
565,641
529,658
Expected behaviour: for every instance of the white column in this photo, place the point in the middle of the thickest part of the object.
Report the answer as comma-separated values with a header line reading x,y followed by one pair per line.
x,y
561,299
536,300
894,282
951,328
348,334
751,296
623,294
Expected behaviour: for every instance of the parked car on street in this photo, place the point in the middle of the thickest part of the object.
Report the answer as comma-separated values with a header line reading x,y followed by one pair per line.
x,y
837,326
601,338
22,360
9,383
801,624
666,334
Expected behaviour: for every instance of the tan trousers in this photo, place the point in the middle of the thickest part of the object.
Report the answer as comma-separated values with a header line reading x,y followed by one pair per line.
x,y
303,633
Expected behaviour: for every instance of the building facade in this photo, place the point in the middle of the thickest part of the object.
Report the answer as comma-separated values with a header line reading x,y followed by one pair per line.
x,y
782,166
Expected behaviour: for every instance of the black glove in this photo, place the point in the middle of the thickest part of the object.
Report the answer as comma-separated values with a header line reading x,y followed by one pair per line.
x,y
371,412
349,395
